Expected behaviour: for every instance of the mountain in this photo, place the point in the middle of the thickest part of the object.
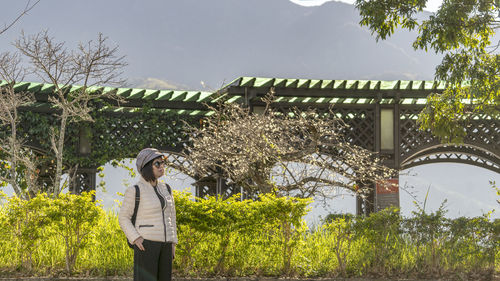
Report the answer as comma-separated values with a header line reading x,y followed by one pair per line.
x,y
190,41
153,83
195,44
217,41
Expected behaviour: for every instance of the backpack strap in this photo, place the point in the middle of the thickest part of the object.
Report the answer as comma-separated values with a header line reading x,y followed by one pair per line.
x,y
136,207
169,189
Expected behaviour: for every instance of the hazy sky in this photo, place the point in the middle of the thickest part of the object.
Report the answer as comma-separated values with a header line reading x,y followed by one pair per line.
x,y
432,5
465,187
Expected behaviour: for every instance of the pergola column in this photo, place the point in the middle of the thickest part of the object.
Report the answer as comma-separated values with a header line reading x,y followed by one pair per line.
x,y
85,177
85,180
387,192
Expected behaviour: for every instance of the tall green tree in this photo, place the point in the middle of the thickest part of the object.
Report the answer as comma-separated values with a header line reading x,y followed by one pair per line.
x,y
461,30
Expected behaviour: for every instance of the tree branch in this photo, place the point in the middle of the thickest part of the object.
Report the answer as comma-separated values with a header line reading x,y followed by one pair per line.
x,y
27,8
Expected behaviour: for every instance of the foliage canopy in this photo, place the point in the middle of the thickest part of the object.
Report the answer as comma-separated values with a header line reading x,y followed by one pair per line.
x,y
462,30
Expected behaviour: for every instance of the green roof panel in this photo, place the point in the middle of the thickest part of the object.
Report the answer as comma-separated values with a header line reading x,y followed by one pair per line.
x,y
90,89
123,92
441,85
405,85
340,84
279,82
387,85
263,82
247,81
291,83
137,94
351,84
364,84
35,87
234,99
417,85
327,84
313,84
150,94
428,85
343,86
78,88
192,96
204,96
178,96
165,95
21,86
375,85
303,83
109,90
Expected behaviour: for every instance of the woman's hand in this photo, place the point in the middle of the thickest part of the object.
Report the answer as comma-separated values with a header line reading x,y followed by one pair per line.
x,y
173,251
138,243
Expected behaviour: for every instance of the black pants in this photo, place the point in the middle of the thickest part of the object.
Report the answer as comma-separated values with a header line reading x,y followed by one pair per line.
x,y
155,263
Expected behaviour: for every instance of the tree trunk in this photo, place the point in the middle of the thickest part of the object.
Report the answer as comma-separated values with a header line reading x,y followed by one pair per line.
x,y
13,159
59,154
219,268
287,248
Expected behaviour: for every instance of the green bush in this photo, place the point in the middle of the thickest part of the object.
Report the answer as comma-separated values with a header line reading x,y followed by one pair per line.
x,y
266,237
73,218
228,222
64,223
25,221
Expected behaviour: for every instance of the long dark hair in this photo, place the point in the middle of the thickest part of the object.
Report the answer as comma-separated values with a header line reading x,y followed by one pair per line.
x,y
147,171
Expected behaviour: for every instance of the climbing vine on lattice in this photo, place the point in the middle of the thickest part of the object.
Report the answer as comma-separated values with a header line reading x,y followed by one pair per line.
x,y
113,136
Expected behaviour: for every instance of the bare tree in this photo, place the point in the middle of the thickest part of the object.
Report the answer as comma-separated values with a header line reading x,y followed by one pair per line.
x,y
17,155
29,5
301,153
92,63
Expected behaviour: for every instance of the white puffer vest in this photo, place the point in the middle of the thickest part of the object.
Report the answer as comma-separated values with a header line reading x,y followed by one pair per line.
x,y
152,222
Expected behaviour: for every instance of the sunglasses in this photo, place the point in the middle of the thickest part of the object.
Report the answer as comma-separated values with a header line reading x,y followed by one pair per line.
x,y
158,164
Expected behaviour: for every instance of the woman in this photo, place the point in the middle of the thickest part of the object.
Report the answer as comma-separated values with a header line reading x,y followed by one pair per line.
x,y
154,235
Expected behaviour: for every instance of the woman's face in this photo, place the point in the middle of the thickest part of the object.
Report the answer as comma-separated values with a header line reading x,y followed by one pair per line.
x,y
158,167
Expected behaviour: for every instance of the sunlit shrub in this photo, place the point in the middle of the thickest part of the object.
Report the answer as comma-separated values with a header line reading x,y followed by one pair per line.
x,y
266,237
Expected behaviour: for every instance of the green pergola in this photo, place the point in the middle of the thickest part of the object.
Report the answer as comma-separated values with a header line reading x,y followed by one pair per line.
x,y
381,114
